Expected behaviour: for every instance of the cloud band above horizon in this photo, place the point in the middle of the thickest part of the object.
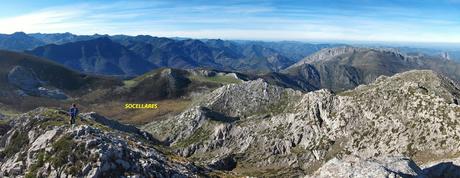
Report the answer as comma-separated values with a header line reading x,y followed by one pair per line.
x,y
339,20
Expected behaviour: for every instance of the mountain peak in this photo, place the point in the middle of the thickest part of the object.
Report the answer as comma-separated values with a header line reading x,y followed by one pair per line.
x,y
19,34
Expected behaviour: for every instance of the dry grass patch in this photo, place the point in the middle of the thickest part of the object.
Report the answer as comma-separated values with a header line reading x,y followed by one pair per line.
x,y
116,110
424,157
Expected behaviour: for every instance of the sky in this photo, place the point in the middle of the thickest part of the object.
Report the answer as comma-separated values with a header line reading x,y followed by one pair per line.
x,y
418,21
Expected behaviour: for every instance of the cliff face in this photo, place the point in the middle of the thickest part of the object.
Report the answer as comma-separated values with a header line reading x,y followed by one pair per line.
x,y
328,54
257,125
40,143
345,68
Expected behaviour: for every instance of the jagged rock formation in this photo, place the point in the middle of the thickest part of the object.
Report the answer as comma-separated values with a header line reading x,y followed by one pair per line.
x,y
267,127
345,68
40,143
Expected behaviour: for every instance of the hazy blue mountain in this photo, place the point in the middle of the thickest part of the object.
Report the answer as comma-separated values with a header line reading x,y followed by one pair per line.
x,y
61,38
294,50
450,54
135,55
447,51
19,41
166,52
80,52
248,57
101,56
218,54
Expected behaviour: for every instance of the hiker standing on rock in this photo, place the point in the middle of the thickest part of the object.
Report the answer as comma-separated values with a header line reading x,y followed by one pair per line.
x,y
73,112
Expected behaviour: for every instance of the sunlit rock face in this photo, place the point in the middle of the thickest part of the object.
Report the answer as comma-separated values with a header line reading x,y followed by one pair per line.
x,y
412,114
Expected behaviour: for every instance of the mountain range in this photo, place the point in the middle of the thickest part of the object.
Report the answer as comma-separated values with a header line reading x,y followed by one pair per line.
x,y
225,109
19,41
100,56
292,64
345,68
135,55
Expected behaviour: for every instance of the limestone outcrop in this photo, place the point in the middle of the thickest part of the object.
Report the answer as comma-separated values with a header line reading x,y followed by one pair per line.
x,y
413,114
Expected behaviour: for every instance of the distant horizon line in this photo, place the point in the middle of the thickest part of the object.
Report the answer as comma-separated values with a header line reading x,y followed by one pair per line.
x,y
415,44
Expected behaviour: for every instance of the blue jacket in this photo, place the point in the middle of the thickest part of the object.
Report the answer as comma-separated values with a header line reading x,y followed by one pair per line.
x,y
73,112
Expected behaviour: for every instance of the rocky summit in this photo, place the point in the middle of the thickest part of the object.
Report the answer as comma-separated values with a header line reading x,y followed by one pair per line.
x,y
403,125
40,143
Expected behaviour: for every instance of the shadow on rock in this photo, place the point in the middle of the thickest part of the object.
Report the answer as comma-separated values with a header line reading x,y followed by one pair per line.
x,y
216,116
444,169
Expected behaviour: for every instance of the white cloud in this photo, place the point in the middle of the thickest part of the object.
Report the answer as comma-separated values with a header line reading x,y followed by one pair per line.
x,y
230,22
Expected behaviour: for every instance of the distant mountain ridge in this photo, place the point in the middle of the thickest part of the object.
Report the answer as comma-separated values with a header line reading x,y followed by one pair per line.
x,y
344,68
153,52
19,41
61,38
112,55
333,66
217,54
100,56
293,49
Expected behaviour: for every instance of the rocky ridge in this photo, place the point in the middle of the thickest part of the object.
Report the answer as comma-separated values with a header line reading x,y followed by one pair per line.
x,y
344,68
40,143
261,126
330,53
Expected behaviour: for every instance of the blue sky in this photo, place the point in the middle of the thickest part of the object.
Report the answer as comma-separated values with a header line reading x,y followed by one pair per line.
x,y
309,20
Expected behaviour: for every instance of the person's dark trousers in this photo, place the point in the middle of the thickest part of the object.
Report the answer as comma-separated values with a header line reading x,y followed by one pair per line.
x,y
72,120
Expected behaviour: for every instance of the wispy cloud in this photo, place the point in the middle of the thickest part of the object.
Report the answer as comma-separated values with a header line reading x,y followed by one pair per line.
x,y
241,20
